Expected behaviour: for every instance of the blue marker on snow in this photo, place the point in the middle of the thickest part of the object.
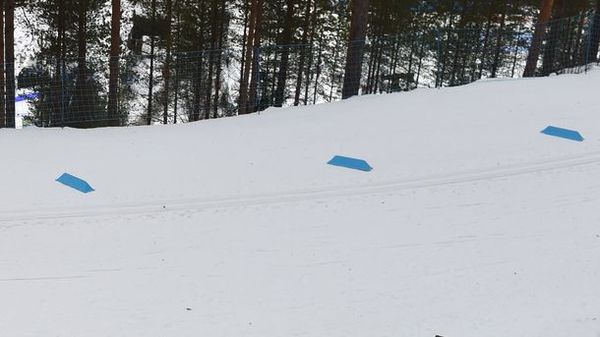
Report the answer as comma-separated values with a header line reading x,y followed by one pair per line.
x,y
351,163
563,133
75,183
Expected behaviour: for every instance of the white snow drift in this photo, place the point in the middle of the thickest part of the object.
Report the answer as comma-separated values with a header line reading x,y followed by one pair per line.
x,y
472,223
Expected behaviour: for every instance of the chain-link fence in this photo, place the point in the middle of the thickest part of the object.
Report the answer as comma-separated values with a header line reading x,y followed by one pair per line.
x,y
65,92
163,87
428,58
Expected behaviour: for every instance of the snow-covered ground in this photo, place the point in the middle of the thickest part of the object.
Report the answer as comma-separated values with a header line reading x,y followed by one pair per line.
x,y
471,224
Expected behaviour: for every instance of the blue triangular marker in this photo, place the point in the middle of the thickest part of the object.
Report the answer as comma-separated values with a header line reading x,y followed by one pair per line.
x,y
75,183
351,163
563,133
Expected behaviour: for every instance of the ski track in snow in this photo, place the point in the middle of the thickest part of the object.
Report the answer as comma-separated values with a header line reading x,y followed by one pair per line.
x,y
564,163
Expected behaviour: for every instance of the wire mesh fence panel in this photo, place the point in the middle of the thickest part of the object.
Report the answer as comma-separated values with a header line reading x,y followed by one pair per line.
x,y
200,86
569,45
66,92
178,87
297,75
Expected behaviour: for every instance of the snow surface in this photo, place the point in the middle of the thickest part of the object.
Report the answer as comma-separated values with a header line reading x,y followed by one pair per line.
x,y
471,224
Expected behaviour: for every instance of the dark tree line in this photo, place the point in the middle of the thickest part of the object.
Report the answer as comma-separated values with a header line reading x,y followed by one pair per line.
x,y
119,62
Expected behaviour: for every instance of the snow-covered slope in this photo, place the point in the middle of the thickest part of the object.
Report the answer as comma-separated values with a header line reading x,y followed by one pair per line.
x,y
471,224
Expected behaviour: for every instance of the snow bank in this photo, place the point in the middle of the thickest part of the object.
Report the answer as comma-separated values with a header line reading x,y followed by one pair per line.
x,y
471,224
411,137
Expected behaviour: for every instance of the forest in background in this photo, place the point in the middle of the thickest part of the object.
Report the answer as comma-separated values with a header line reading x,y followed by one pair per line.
x,y
95,63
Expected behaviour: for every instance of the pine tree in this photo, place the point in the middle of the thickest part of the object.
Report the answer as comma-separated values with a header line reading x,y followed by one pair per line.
x,y
167,66
306,50
115,43
10,63
286,42
2,68
595,37
358,32
538,37
68,68
250,45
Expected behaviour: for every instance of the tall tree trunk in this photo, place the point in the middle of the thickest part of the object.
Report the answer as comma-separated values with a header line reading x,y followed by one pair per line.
x,y
220,41
2,69
555,37
499,41
538,37
81,41
378,72
373,51
177,67
409,73
579,57
334,63
305,50
309,73
516,53
80,102
459,45
113,82
150,83
441,72
243,99
57,108
486,41
421,56
267,74
244,40
319,70
253,103
197,78
356,44
167,67
197,86
211,57
151,79
567,57
595,37
10,63
285,54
